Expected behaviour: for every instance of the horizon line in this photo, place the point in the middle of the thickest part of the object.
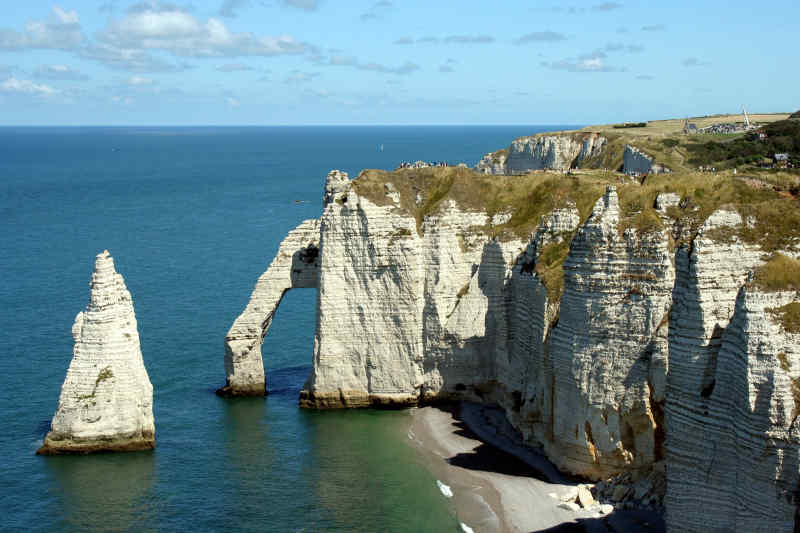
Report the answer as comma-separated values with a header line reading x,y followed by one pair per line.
x,y
264,125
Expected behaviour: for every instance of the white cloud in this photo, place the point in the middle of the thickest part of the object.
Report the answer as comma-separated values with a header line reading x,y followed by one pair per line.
x,y
234,67
124,100
128,59
179,32
297,76
230,7
594,62
59,72
607,6
541,37
694,62
14,85
406,68
307,5
350,61
233,102
469,39
447,66
61,30
66,17
377,11
139,81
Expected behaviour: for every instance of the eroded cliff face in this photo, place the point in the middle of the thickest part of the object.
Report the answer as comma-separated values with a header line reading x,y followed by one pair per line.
x,y
295,266
607,354
635,161
493,163
739,452
368,344
616,337
543,152
406,314
106,401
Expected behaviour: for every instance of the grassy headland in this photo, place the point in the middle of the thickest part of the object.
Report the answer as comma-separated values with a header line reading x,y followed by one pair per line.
x,y
767,200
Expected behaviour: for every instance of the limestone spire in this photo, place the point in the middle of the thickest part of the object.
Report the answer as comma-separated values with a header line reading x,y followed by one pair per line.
x,y
106,401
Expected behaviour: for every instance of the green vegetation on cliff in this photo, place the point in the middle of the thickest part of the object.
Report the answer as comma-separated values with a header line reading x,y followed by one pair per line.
x,y
789,317
527,198
779,273
782,137
766,200
772,218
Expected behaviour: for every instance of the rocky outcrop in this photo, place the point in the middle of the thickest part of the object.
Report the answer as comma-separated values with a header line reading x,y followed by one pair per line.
x,y
368,345
731,440
552,152
709,276
543,152
296,265
494,163
611,331
743,462
622,370
402,314
106,401
634,161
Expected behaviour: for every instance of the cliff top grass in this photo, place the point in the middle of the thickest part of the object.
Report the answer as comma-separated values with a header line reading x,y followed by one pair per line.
x,y
663,128
779,273
774,217
527,198
789,318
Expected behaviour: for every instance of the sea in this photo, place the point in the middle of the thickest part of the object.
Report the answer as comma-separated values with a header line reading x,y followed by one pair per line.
x,y
192,217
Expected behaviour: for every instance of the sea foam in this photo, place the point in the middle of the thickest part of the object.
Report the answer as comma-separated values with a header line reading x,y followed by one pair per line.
x,y
445,489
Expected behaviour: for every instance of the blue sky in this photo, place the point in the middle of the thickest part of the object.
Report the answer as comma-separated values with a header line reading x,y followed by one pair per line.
x,y
125,62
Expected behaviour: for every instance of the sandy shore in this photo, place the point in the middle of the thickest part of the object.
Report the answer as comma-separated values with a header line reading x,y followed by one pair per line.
x,y
497,484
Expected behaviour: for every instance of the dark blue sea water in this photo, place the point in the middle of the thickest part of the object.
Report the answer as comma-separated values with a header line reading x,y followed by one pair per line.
x,y
192,216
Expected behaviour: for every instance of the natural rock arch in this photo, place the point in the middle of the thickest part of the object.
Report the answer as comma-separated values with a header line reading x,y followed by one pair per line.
x,y
296,266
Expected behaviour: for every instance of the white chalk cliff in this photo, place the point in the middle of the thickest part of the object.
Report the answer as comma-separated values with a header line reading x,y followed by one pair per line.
x,y
106,401
295,266
543,152
651,354
638,162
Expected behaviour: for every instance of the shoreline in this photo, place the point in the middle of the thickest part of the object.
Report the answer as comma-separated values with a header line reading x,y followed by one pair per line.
x,y
499,485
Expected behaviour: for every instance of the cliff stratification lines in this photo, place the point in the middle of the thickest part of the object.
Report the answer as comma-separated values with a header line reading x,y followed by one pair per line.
x,y
106,401
618,322
296,265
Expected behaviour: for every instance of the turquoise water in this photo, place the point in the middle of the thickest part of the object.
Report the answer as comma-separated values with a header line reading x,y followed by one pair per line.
x,y
192,216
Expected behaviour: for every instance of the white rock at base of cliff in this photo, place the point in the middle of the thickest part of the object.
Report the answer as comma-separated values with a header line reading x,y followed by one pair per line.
x,y
106,401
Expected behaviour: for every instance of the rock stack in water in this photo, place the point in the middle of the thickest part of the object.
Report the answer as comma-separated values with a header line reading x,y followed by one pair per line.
x,y
106,401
